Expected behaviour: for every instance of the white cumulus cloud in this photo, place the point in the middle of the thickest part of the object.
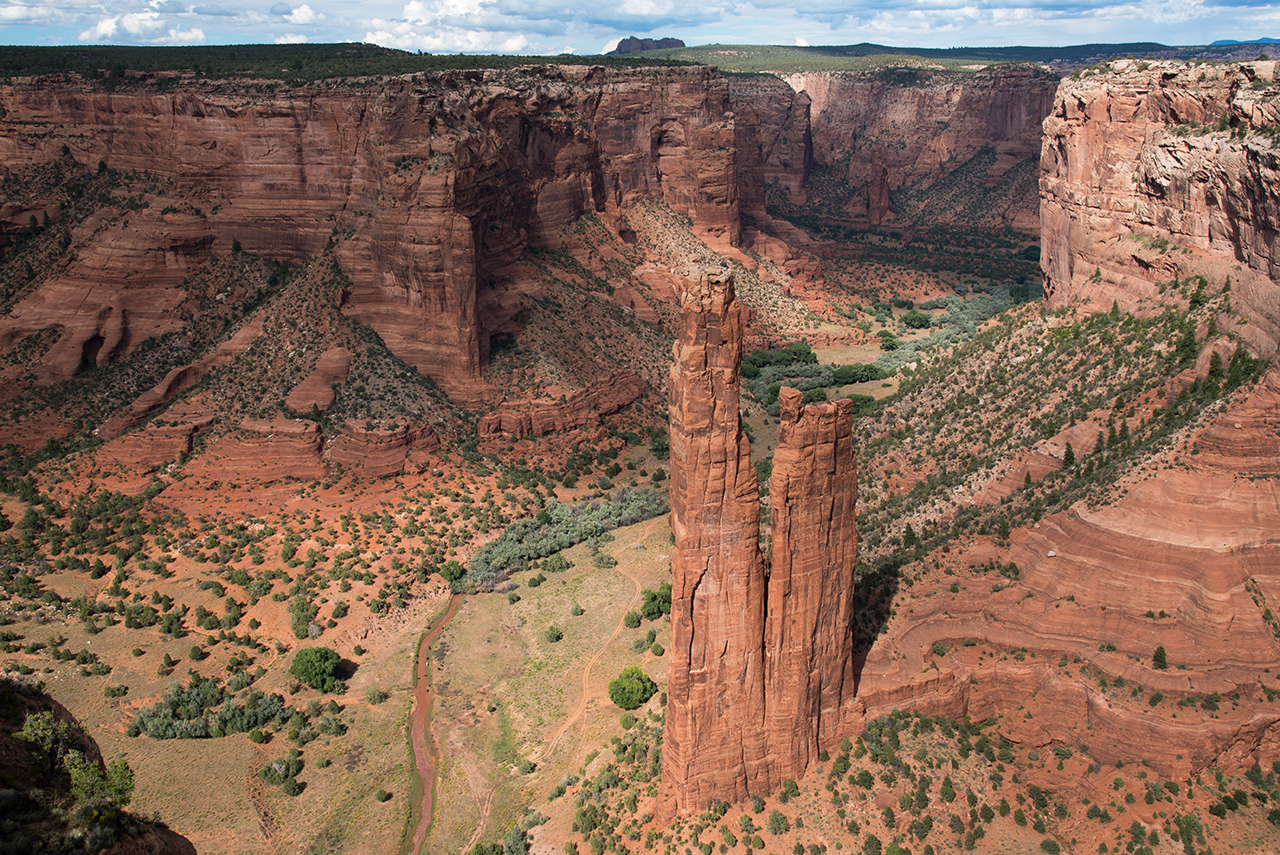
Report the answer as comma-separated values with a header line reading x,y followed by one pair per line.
x,y
304,14
179,36
291,39
104,29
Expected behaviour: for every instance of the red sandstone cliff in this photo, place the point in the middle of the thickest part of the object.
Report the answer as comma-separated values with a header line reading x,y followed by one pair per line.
x,y
586,406
1156,171
428,182
760,671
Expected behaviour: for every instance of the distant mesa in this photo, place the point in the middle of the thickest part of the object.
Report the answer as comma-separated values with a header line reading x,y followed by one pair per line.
x,y
631,44
1265,40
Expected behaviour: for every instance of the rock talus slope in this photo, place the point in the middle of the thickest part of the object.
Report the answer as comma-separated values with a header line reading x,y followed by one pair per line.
x,y
760,670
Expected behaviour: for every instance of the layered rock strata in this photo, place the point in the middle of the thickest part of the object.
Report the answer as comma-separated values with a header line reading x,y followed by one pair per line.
x,y
1154,172
583,407
760,669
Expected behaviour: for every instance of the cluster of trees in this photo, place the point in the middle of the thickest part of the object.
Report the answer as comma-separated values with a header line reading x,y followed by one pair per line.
x,y
117,65
555,528
203,709
798,352
317,667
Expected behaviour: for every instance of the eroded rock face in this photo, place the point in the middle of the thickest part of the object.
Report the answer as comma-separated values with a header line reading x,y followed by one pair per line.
x,y
381,451
316,390
427,184
760,671
266,451
1139,187
808,644
584,407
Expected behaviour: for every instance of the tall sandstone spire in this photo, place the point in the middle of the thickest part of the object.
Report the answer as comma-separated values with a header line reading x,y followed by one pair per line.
x,y
714,745
761,663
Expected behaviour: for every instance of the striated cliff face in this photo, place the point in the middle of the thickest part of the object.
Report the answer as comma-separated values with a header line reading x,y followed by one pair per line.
x,y
427,184
760,670
772,125
915,145
1152,172
808,642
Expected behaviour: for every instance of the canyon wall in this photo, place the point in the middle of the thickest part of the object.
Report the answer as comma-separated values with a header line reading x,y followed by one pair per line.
x,y
1156,171
760,669
426,184
920,146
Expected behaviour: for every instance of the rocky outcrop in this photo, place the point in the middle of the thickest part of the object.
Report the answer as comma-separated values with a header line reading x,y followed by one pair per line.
x,y
745,706
584,407
808,644
919,145
426,183
381,451
180,379
265,451
631,44
1152,172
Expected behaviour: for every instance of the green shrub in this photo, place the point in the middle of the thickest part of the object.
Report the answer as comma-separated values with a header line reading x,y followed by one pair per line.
x,y
632,619
555,529
631,688
382,795
317,667
553,634
375,696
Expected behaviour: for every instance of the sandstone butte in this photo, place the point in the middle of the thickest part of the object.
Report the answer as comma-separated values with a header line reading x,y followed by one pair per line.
x,y
761,670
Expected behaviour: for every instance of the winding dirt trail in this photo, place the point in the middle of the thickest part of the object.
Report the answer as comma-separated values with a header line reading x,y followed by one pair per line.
x,y
580,706
424,751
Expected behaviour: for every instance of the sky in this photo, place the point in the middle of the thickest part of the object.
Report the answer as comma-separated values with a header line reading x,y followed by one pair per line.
x,y
591,26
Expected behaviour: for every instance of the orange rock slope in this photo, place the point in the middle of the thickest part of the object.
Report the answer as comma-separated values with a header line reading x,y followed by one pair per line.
x,y
1185,559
